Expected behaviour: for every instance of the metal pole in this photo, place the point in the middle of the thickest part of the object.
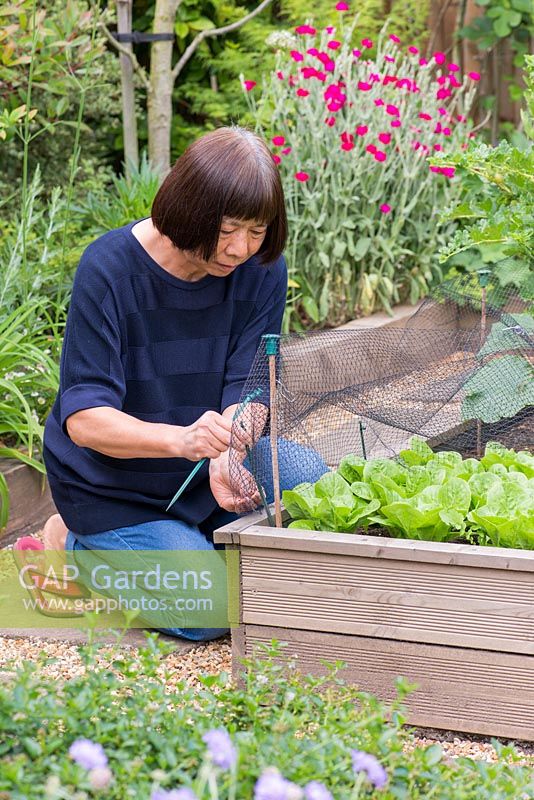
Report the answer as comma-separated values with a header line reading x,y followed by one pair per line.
x,y
271,349
483,279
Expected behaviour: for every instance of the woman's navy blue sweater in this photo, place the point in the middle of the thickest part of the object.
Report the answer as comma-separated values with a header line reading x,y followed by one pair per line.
x,y
162,350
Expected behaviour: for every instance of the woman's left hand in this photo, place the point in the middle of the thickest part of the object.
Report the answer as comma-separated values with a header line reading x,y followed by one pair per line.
x,y
222,489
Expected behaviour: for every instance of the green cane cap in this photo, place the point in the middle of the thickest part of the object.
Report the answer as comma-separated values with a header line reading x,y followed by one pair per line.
x,y
483,277
271,343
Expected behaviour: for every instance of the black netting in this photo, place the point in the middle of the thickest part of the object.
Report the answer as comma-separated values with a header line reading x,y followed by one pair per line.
x,y
458,373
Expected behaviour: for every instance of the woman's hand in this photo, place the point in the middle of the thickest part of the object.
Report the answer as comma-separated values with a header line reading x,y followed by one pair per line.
x,y
208,437
222,490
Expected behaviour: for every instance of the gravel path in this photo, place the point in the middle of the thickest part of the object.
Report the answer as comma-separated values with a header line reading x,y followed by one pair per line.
x,y
63,662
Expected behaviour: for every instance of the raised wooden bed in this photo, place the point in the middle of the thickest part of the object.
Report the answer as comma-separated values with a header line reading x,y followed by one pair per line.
x,y
458,620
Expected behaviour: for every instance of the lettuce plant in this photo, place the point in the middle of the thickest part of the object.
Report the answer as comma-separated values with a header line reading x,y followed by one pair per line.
x,y
425,495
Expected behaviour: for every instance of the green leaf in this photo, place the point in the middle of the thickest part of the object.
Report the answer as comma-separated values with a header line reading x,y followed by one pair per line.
x,y
181,29
499,390
362,247
311,309
201,24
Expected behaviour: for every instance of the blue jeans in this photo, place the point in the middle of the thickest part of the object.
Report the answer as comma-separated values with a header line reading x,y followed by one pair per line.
x,y
296,463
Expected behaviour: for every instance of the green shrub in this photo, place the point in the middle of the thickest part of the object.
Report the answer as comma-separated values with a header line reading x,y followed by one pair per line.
x,y
363,203
152,742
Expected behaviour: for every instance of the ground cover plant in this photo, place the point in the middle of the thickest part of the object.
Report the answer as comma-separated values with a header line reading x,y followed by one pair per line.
x,y
352,129
425,495
115,732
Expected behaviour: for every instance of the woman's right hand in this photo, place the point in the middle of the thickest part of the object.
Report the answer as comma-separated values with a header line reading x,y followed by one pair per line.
x,y
208,437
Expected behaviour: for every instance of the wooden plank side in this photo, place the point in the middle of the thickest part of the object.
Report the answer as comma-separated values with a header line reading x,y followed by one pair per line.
x,y
383,547
458,688
411,601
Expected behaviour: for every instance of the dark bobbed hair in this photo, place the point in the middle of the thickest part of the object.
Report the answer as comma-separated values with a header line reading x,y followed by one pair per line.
x,y
228,172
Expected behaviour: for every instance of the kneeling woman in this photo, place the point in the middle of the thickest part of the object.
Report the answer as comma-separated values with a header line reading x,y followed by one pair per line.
x,y
165,319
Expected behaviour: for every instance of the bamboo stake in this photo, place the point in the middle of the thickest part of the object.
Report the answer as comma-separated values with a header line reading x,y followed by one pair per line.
x,y
271,349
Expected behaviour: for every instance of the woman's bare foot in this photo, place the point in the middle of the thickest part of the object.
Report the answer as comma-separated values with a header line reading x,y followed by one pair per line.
x,y
55,533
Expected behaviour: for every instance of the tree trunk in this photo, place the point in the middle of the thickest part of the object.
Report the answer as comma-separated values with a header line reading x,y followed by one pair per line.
x,y
159,99
129,121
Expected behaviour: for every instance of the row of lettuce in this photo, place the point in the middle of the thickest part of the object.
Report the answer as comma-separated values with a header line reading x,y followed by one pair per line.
x,y
425,495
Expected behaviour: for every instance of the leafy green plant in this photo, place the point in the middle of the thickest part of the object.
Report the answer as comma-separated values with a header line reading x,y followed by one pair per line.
x,y
351,134
127,199
425,495
278,730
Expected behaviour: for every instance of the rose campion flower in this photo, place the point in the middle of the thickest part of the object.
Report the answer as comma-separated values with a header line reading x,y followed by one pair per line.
x,y
371,148
380,155
394,38
439,58
361,130
424,115
453,67
220,747
378,102
385,208
333,44
305,30
302,176
392,110
363,86
296,56
88,754
302,92
385,138
342,6
365,762
285,151
413,50
330,121
475,76
390,59
278,140
395,123
368,43
356,53
249,85
276,159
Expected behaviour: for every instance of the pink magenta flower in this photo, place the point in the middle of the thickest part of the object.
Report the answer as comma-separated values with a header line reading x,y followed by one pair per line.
x,y
368,43
302,92
286,151
278,140
385,208
438,128
461,118
446,131
302,176
475,76
280,75
454,82
442,111
380,155
385,138
249,85
363,86
276,159
392,79
439,58
423,62
374,77
342,6
413,50
356,53
447,171
437,147
312,51
347,141
361,130
305,30
423,115
442,93
330,121
378,102
395,123
333,44
390,59
392,110
453,67
416,145
291,80
394,38
296,56
330,29
371,148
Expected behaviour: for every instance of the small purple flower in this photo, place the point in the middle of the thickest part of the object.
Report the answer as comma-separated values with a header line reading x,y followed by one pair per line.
x,y
173,794
88,754
273,786
365,762
314,790
220,748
